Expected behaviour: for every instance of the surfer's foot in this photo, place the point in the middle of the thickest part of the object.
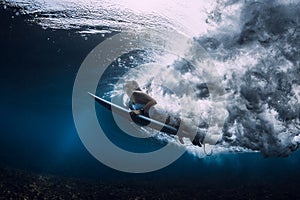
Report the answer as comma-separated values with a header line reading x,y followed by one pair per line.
x,y
197,143
198,140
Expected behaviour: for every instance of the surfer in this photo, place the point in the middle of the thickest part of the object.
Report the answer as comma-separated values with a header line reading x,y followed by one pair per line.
x,y
143,104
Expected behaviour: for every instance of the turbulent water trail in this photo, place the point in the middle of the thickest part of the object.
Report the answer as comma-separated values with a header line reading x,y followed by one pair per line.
x,y
253,50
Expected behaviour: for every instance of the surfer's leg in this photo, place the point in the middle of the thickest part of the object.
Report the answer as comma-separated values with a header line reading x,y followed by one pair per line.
x,y
190,131
158,115
185,128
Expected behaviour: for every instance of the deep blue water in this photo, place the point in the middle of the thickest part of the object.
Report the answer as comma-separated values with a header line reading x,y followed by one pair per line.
x,y
38,69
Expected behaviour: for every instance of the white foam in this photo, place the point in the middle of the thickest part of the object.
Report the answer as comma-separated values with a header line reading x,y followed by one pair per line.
x,y
223,21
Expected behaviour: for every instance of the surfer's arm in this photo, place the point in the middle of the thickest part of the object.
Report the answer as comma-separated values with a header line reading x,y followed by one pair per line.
x,y
151,103
143,98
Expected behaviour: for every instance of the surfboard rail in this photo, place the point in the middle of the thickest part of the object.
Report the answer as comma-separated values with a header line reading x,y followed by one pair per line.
x,y
127,114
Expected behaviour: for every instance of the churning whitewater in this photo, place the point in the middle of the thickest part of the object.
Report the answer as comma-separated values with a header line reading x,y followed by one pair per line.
x,y
254,62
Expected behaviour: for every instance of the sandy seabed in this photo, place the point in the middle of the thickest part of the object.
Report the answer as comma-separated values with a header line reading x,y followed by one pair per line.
x,y
19,184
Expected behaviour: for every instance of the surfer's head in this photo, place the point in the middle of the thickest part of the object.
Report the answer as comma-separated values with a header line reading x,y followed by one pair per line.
x,y
130,86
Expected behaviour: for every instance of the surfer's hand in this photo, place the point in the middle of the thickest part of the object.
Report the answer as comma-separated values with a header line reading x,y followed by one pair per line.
x,y
137,112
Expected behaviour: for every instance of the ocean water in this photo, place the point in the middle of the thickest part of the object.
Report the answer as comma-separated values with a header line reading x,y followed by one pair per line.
x,y
241,73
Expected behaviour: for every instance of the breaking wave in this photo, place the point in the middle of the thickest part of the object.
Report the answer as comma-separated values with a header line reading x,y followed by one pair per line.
x,y
252,48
